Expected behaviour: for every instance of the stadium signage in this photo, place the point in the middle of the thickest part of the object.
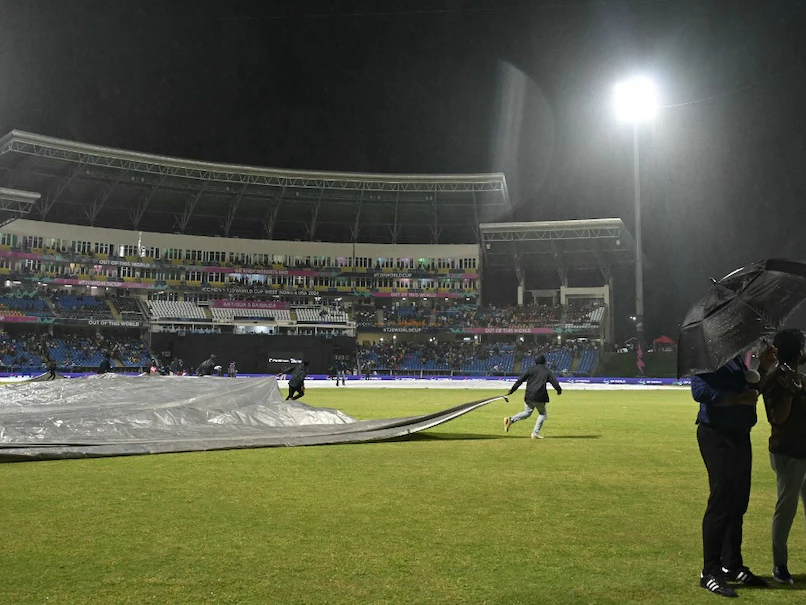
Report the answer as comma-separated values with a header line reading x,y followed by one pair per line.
x,y
123,263
406,330
20,319
270,291
510,330
415,294
284,360
98,283
248,304
258,271
255,271
22,255
115,323
392,275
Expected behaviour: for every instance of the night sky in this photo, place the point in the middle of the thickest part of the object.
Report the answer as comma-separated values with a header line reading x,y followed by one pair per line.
x,y
464,86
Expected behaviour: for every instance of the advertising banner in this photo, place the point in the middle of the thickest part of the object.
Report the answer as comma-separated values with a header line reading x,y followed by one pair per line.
x,y
420,295
494,330
248,304
22,319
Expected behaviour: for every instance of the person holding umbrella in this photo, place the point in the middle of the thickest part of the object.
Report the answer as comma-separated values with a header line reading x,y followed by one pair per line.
x,y
785,403
738,310
727,413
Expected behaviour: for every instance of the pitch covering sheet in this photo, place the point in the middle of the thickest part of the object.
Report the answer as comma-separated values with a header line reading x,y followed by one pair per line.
x,y
113,415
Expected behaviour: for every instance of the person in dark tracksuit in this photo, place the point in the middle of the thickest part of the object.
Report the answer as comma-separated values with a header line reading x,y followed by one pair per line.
x,y
537,395
341,372
207,366
296,384
727,414
106,364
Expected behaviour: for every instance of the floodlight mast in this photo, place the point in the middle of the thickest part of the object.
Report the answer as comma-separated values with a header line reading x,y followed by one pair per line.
x,y
636,101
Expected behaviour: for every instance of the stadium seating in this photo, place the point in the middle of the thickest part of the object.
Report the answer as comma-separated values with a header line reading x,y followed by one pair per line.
x,y
34,352
20,354
74,353
587,362
13,304
463,358
127,306
82,307
320,315
557,360
584,316
456,315
365,316
164,309
228,314
131,353
526,316
491,359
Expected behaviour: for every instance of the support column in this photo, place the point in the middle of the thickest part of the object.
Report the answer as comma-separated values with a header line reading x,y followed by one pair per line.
x,y
609,325
521,286
639,271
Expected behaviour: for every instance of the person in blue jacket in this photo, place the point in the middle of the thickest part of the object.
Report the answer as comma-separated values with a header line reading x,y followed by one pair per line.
x,y
727,413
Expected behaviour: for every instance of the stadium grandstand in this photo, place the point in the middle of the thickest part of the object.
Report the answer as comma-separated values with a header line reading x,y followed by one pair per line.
x,y
143,257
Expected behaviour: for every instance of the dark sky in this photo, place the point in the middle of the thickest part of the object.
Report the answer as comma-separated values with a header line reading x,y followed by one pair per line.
x,y
454,86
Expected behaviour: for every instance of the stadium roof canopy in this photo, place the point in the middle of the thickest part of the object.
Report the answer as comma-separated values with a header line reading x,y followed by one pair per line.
x,y
558,246
15,204
104,187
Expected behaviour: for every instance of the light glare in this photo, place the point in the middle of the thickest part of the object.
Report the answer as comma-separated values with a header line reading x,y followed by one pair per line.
x,y
635,100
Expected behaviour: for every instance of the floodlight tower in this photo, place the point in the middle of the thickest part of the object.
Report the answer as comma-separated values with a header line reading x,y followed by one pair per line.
x,y
636,101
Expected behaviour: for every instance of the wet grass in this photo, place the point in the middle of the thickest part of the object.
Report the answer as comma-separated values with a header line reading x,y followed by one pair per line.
x,y
606,509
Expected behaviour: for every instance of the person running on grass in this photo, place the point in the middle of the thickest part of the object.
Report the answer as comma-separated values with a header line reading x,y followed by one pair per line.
x,y
537,395
296,384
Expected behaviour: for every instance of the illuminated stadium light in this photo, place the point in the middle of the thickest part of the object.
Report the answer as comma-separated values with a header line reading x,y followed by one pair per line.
x,y
635,100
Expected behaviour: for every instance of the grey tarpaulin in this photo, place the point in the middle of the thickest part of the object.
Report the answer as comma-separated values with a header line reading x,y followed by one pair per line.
x,y
40,378
112,415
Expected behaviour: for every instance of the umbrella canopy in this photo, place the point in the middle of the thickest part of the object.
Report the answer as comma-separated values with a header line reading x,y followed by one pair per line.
x,y
744,306
663,340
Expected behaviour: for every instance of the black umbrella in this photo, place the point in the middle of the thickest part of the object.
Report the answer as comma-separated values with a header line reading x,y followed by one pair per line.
x,y
740,309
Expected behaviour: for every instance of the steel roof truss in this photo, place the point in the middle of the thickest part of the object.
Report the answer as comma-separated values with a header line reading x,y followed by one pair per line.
x,y
136,213
232,209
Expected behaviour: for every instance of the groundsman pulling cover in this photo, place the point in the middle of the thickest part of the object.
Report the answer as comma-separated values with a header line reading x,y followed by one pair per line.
x,y
114,415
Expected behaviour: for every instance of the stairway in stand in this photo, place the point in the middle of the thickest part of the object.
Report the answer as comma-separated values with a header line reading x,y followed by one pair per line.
x,y
113,309
517,367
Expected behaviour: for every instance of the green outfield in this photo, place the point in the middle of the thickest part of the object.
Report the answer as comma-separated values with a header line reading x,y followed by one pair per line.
x,y
606,509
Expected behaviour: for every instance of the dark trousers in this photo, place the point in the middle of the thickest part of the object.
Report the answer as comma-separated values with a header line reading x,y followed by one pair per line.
x,y
295,392
728,457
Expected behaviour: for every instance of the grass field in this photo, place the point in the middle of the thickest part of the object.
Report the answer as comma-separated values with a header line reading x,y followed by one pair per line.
x,y
606,509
